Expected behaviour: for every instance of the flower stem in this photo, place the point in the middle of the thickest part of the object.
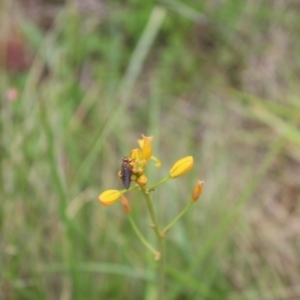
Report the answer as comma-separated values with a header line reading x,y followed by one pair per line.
x,y
159,183
160,238
165,230
141,237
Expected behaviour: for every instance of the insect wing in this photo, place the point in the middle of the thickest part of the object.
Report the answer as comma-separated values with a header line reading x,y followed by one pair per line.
x,y
126,173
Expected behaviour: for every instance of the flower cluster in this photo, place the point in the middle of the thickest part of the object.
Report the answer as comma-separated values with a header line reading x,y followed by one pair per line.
x,y
133,170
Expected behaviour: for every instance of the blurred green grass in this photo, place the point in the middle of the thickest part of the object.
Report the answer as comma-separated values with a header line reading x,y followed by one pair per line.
x,y
216,80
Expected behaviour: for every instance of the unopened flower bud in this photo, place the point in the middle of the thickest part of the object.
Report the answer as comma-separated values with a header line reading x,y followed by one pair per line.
x,y
109,197
142,180
197,191
182,166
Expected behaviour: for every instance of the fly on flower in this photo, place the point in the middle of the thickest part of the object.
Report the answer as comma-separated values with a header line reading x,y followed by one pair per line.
x,y
126,172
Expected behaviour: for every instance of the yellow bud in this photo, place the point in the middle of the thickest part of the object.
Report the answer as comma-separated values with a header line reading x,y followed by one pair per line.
x,y
109,197
142,180
182,166
197,191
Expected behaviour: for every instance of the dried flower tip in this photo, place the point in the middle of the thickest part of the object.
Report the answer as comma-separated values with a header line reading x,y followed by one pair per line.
x,y
125,203
197,191
109,197
182,166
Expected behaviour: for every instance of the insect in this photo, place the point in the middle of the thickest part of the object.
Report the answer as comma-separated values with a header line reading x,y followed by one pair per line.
x,y
126,172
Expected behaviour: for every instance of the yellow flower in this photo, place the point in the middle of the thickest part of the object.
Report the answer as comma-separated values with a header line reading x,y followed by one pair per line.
x,y
133,168
146,150
145,145
182,166
140,157
109,197
197,191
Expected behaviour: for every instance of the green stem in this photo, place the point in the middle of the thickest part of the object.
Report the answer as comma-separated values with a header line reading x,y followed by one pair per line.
x,y
161,246
159,183
141,237
167,228
130,189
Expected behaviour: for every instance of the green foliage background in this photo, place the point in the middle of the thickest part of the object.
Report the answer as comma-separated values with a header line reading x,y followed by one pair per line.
x,y
218,80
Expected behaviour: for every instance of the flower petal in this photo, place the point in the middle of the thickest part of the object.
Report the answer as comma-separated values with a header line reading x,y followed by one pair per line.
x,y
145,145
157,161
136,154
